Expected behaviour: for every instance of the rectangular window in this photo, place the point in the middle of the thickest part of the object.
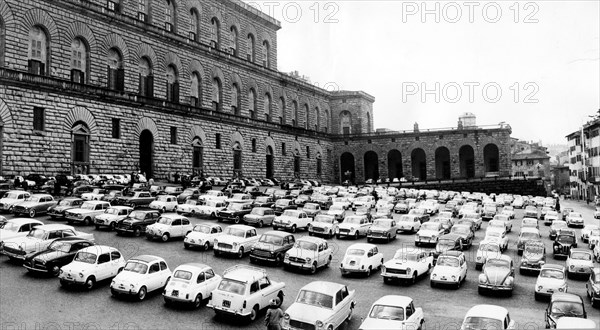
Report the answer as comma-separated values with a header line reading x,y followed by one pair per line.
x,y
218,141
173,135
38,119
319,166
253,145
283,151
307,152
116,128
346,130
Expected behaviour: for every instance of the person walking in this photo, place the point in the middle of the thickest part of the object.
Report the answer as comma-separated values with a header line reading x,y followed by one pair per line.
x,y
17,182
25,185
274,315
56,188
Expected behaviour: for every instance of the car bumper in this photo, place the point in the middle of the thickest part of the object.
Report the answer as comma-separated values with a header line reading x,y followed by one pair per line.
x,y
443,280
547,292
283,225
13,255
378,235
123,291
396,275
495,287
71,280
74,219
426,240
223,310
180,300
530,267
194,242
56,214
262,257
296,265
345,270
579,270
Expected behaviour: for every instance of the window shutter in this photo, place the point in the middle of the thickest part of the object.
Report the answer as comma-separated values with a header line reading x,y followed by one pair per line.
x,y
176,92
81,77
169,92
109,80
73,74
141,85
150,86
120,79
42,69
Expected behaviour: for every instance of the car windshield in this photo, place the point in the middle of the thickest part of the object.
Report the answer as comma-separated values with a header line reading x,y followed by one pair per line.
x,y
232,286
235,232
271,239
559,224
256,211
137,215
580,255
460,230
11,226
445,243
164,220
447,261
163,198
529,236
406,218
446,215
136,267
575,215
310,206
387,313
567,308
86,257
382,223
65,203
324,219
477,322
493,233
355,220
336,208
430,226
183,275
534,249
405,256
355,252
489,247
282,202
202,229
304,245
235,207
566,239
552,273
290,213
497,263
315,299
501,217
112,211
60,246
490,209
88,206
37,233
11,195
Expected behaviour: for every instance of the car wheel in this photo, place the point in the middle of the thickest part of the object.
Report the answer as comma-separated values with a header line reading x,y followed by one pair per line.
x,y
356,235
111,226
206,246
313,268
54,271
237,220
97,227
64,283
337,236
431,284
413,280
163,210
32,213
165,237
137,232
216,252
241,252
260,224
132,205
198,301
280,295
480,290
87,221
253,314
310,233
294,229
90,282
186,246
142,293
279,259
537,296
389,237
328,262
368,274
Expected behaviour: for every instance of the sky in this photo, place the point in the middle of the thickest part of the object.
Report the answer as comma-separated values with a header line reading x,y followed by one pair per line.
x,y
533,65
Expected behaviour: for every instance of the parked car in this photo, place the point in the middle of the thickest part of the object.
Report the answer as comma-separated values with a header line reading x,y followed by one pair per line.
x,y
497,235
410,223
505,220
429,233
59,253
234,212
421,214
192,284
11,198
245,291
292,220
574,219
164,203
260,216
586,230
534,257
95,195
202,235
550,217
565,240
593,238
466,234
141,274
563,305
169,226
86,213
497,276
488,317
135,199
236,240
58,211
320,305
361,258
486,250
593,287
475,217
527,235
284,204
556,227
382,229
450,269
579,263
308,253
407,264
489,212
136,222
263,201
448,242
189,193
34,205
323,224
552,278
111,217
272,246
91,265
17,227
353,226
312,209
38,239
393,312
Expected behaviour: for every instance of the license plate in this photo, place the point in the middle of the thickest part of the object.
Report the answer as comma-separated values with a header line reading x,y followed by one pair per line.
x,y
226,303
581,270
175,293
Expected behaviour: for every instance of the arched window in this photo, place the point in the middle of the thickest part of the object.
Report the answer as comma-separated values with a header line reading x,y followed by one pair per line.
x,y
282,110
267,107
116,72
252,103
307,114
294,113
266,58
233,41
195,89
251,48
146,79
318,116
197,156
319,164
345,122
79,61
235,99
215,33
296,163
217,94
237,160
172,84
194,33
80,148
39,49
326,128
170,16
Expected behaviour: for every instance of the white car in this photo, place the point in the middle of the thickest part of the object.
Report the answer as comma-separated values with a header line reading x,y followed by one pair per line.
x,y
244,291
213,195
192,284
236,240
323,225
361,258
393,313
164,203
169,226
368,201
353,226
508,210
431,207
497,235
292,220
337,211
382,229
586,230
203,235
487,317
17,227
112,216
504,219
86,212
308,253
550,217
450,269
579,262
487,249
574,219
92,265
409,223
38,240
190,206
552,278
320,305
95,195
593,238
142,274
11,198
211,208
343,201
429,233
408,263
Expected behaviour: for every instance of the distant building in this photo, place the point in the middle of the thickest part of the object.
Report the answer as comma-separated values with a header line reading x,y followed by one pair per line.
x,y
584,160
560,178
530,159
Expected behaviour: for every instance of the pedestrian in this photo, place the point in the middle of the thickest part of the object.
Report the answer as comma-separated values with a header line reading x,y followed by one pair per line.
x,y
274,315
558,206
176,177
56,188
25,185
17,183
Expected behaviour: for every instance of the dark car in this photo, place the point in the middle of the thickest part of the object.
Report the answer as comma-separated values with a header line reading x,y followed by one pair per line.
x,y
190,193
137,221
534,257
58,211
565,240
263,201
253,190
59,253
593,287
564,305
465,232
38,178
234,188
135,199
448,242
364,210
272,246
284,204
234,212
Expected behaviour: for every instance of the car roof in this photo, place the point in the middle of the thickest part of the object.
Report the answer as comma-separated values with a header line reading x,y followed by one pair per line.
x,y
55,226
486,311
529,230
98,249
244,227
244,273
451,236
120,207
20,221
393,300
563,296
40,195
172,216
361,246
452,253
146,211
553,266
277,233
193,266
97,202
316,240
502,257
325,287
146,258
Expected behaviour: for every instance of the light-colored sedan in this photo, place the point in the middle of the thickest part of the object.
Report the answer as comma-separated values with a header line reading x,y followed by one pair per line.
x,y
392,313
450,269
192,284
487,317
203,235
409,223
361,258
260,216
552,278
579,262
382,229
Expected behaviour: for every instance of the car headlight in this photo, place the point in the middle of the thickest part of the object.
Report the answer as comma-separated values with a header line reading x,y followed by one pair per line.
x,y
539,288
80,216
131,286
482,278
308,260
453,277
561,289
351,228
286,316
235,244
286,256
408,270
337,230
81,275
434,275
319,324
572,266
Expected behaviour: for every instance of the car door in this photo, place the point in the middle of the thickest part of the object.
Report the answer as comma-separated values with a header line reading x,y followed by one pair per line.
x,y
165,274
103,267
115,259
463,266
210,283
153,280
266,290
411,317
176,228
342,306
